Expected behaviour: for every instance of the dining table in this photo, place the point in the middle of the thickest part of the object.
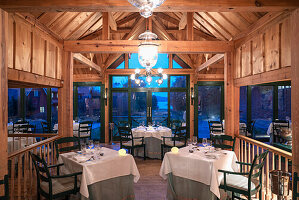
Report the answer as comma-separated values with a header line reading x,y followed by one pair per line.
x,y
16,143
105,174
152,138
192,172
75,128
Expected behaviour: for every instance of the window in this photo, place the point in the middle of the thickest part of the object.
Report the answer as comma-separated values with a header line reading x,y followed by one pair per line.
x,y
178,81
14,104
178,106
120,109
284,102
175,65
121,66
243,104
120,81
54,106
162,62
152,84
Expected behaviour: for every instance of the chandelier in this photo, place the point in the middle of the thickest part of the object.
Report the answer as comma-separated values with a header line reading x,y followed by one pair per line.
x,y
146,7
148,50
149,73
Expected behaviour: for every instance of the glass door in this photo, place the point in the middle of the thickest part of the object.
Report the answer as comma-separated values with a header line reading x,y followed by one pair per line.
x,y
158,108
209,107
139,108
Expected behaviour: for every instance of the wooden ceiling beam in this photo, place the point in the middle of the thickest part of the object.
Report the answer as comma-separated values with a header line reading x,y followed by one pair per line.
x,y
183,21
167,6
209,62
112,22
82,59
167,18
130,46
190,24
127,19
106,28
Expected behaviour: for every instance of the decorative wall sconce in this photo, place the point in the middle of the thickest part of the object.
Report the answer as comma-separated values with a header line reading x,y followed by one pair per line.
x,y
106,96
192,96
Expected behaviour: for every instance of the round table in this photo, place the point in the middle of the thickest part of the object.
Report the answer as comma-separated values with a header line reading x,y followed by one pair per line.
x,y
152,138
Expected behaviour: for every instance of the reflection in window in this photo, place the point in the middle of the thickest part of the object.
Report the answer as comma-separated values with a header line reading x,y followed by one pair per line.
x,y
54,106
152,84
14,104
284,102
120,81
261,108
119,107
209,108
89,107
178,81
178,106
35,99
159,106
163,61
243,104
138,108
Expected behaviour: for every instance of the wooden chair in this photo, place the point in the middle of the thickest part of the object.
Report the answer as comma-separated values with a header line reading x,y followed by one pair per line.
x,y
128,141
295,186
124,124
46,127
178,140
6,188
221,141
216,127
84,130
20,126
245,183
54,186
61,141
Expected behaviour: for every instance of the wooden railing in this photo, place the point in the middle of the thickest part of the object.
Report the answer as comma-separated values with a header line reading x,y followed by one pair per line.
x,y
277,159
22,176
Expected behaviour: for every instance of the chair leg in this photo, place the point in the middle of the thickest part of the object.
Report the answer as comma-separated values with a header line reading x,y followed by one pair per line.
x,y
132,151
260,194
38,196
162,154
233,195
144,156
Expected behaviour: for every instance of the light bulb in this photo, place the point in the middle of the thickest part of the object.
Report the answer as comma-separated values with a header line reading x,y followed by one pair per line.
x,y
164,76
160,70
137,71
149,79
137,81
148,69
133,77
160,81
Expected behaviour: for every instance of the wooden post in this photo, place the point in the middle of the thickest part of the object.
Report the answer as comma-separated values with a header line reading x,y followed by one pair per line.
x,y
65,97
126,61
192,82
190,23
295,85
3,94
231,98
106,28
149,24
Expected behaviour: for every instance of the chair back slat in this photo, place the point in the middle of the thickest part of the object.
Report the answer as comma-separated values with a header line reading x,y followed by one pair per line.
x,y
220,141
125,132
41,168
215,126
63,141
256,168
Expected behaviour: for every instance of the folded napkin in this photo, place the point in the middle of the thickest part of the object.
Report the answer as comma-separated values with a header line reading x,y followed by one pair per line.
x,y
81,158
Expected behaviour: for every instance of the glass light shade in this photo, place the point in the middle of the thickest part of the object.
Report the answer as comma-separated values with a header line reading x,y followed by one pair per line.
x,y
164,76
132,76
149,79
137,71
148,54
160,70
146,6
137,81
160,81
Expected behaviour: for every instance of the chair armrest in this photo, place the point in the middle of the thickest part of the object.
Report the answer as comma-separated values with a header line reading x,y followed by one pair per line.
x,y
242,164
67,175
57,166
230,172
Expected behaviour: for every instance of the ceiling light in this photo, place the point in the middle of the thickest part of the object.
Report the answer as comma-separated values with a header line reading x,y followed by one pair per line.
x,y
146,7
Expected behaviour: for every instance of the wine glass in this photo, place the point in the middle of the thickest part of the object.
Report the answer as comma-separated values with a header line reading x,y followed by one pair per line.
x,y
83,148
194,142
204,142
90,144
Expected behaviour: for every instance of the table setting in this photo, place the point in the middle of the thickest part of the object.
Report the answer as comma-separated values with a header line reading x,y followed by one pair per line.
x,y
192,171
102,168
153,139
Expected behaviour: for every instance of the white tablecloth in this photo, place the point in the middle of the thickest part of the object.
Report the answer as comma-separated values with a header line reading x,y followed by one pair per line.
x,y
111,165
75,128
195,166
19,143
270,128
154,132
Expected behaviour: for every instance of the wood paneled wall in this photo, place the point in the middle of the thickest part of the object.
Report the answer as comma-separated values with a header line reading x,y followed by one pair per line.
x,y
31,50
268,50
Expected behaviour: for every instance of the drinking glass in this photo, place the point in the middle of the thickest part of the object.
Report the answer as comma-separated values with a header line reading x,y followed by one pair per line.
x,y
189,142
90,144
96,145
83,148
204,142
194,142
